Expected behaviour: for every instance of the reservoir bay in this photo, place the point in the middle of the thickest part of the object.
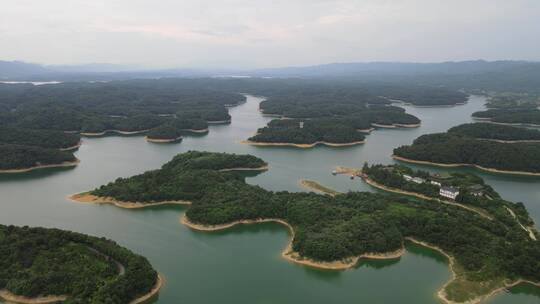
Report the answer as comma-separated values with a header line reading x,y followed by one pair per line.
x,y
243,264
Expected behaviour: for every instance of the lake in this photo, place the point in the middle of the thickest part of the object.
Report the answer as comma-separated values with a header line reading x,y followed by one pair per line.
x,y
243,264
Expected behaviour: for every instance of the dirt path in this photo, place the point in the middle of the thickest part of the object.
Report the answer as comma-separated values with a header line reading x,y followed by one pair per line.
x,y
528,229
119,266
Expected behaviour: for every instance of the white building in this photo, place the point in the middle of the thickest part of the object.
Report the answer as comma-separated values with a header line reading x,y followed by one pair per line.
x,y
449,192
407,177
418,180
436,183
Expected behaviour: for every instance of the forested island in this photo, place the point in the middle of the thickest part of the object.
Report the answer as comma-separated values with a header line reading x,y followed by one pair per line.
x,y
306,134
485,254
347,125
42,265
449,149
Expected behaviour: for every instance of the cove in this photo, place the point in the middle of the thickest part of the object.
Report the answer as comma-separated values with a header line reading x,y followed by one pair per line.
x,y
243,264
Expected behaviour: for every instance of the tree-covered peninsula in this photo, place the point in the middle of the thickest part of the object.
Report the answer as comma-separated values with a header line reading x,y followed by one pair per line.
x,y
512,116
495,132
471,192
173,130
52,265
293,97
334,232
126,107
447,149
24,150
19,158
39,118
509,100
39,138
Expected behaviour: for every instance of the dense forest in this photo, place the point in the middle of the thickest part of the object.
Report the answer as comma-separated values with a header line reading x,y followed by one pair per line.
x,y
175,128
41,262
180,179
38,117
14,157
296,95
333,106
142,105
476,76
39,138
307,132
446,148
530,116
506,100
165,108
486,198
493,131
134,105
345,125
332,228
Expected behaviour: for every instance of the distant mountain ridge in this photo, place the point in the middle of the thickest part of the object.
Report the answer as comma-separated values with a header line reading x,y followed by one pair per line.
x,y
504,75
396,68
14,69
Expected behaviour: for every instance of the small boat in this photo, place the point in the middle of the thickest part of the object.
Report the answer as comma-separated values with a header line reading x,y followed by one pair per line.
x,y
352,176
334,172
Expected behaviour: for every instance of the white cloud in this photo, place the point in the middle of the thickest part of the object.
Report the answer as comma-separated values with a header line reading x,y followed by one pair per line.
x,y
246,33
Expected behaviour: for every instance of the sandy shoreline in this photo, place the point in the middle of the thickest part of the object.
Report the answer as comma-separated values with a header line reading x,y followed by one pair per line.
x,y
395,126
151,293
218,122
163,141
94,134
464,165
317,188
481,118
303,146
86,197
383,126
13,298
511,141
368,131
451,264
344,264
64,164
77,146
197,130
263,168
289,254
405,103
514,124
407,125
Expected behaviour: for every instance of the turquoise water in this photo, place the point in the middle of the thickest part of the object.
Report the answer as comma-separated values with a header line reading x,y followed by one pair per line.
x,y
243,264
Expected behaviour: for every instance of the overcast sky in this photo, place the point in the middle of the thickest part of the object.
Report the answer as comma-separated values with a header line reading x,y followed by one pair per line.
x,y
266,33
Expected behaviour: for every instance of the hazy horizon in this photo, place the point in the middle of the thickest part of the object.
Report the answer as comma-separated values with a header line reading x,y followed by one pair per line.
x,y
248,34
